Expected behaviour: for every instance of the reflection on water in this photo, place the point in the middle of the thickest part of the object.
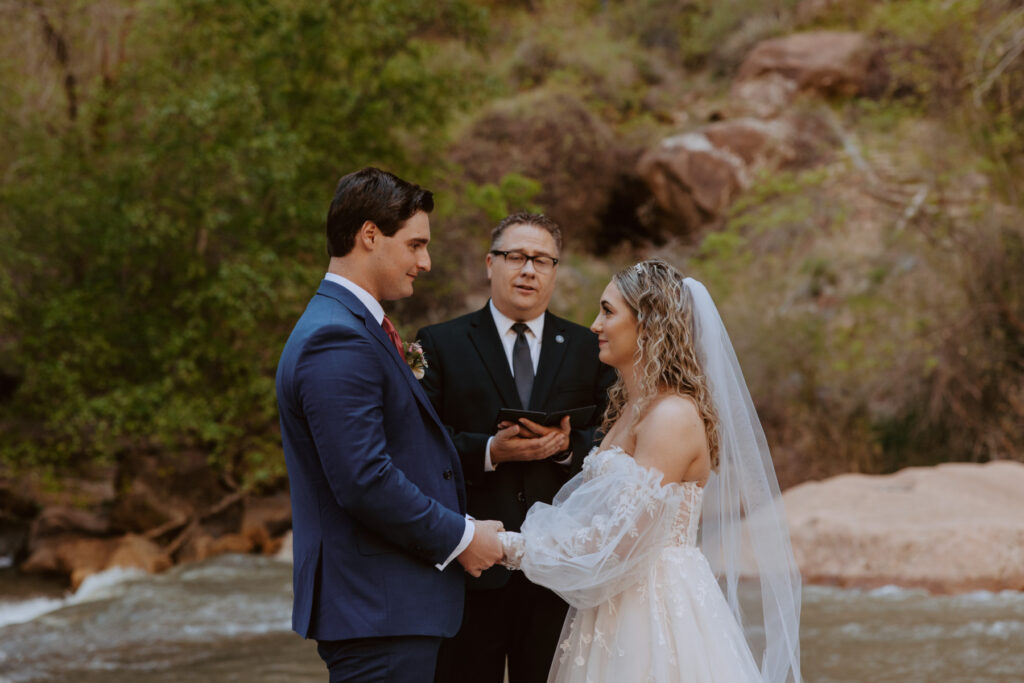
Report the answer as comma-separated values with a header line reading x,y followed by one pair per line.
x,y
227,619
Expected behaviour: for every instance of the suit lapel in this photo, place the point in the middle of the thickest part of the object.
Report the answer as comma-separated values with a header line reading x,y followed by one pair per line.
x,y
552,351
484,336
375,330
349,300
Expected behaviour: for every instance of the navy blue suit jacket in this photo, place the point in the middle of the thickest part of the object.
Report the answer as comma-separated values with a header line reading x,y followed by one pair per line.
x,y
376,485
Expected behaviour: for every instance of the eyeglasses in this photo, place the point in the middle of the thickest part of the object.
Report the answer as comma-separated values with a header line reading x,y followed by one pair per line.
x,y
517,259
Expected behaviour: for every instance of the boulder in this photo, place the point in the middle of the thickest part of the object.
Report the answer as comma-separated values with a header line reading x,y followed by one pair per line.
x,y
754,141
764,97
556,140
200,546
695,176
841,11
136,551
231,543
691,179
826,62
57,529
954,527
195,547
77,557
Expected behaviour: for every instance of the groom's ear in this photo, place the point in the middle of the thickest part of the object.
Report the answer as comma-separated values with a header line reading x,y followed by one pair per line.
x,y
368,235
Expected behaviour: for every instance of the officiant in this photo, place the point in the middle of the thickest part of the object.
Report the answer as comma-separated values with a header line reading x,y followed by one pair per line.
x,y
513,353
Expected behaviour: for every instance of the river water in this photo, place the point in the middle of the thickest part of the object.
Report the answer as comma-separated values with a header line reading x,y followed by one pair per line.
x,y
227,619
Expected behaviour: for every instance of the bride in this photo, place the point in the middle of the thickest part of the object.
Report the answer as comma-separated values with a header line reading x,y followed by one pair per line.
x,y
653,582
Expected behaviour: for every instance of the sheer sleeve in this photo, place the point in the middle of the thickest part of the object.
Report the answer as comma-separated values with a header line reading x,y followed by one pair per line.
x,y
603,527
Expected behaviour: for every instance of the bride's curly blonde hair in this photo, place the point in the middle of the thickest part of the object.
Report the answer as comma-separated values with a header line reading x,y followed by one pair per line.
x,y
666,358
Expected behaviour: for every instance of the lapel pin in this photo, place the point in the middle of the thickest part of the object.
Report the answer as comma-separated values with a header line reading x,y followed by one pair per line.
x,y
559,338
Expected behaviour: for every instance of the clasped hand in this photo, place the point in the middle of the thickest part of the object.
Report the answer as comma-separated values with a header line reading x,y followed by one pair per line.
x,y
527,440
485,550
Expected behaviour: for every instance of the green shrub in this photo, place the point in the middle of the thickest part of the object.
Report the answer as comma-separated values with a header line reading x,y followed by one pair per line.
x,y
160,243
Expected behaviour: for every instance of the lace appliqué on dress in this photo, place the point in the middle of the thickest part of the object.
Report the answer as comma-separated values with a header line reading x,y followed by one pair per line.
x,y
514,547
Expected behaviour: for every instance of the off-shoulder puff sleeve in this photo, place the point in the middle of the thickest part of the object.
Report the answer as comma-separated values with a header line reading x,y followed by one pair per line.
x,y
602,529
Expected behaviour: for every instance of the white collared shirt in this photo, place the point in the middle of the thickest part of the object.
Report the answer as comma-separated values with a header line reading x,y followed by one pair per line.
x,y
377,311
365,298
534,334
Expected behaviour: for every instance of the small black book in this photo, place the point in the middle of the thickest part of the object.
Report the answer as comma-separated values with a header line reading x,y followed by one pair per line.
x,y
578,417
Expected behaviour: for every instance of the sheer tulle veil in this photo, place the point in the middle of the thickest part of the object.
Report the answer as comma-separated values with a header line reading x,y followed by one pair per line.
x,y
743,532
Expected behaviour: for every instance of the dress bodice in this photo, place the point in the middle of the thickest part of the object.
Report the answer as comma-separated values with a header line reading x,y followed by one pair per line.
x,y
689,494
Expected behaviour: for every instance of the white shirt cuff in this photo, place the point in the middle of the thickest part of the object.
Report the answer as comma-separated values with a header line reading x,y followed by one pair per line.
x,y
488,465
467,538
564,461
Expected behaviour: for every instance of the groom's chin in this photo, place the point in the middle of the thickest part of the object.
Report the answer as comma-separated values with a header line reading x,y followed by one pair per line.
x,y
403,291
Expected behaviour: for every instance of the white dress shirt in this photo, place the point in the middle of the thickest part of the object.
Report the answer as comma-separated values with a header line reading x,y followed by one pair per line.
x,y
377,311
534,334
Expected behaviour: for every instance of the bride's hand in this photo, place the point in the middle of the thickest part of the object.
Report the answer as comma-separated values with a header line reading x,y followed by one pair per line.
x,y
512,545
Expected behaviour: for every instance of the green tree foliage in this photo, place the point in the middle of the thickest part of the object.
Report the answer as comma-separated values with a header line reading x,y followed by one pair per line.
x,y
161,236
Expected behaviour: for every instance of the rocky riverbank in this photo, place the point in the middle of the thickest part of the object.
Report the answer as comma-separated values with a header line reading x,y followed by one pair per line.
x,y
150,512
951,528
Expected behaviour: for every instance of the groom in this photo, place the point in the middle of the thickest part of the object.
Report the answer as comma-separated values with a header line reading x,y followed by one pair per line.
x,y
378,504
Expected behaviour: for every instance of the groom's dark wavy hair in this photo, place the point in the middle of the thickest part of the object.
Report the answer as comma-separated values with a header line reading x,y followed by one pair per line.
x,y
371,194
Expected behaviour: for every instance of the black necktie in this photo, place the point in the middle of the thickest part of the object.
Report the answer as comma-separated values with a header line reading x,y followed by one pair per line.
x,y
522,365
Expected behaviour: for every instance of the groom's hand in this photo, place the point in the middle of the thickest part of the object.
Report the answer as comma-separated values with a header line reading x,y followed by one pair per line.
x,y
529,441
485,550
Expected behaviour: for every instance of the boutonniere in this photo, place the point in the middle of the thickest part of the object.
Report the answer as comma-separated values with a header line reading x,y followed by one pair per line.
x,y
416,359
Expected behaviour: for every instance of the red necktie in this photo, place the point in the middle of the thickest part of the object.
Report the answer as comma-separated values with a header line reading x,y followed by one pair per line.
x,y
389,328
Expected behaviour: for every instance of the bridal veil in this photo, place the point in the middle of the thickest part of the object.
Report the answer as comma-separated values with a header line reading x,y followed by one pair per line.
x,y
743,532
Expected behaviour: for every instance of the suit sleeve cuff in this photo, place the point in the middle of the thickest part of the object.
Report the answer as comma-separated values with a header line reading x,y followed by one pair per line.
x,y
467,538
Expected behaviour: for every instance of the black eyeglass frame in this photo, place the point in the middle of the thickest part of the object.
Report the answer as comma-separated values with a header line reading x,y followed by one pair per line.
x,y
533,259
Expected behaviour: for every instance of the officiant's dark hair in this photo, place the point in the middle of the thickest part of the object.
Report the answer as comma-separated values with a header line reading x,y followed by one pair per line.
x,y
371,194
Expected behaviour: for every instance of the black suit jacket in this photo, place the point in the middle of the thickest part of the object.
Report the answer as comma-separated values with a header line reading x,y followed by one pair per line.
x,y
469,380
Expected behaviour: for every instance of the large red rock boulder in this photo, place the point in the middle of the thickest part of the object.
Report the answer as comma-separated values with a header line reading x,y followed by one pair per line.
x,y
61,529
828,62
764,97
690,178
822,62
77,557
695,176
954,527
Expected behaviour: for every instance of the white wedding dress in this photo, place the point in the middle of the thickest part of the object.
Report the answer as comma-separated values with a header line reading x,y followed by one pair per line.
x,y
621,549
